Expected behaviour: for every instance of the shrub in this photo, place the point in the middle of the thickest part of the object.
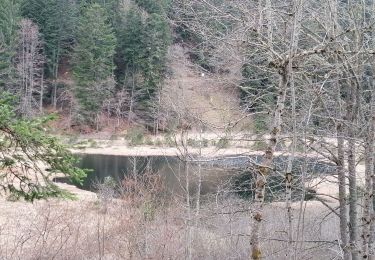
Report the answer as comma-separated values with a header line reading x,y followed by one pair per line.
x,y
92,143
260,124
205,142
148,141
113,137
222,143
192,142
135,136
158,142
168,140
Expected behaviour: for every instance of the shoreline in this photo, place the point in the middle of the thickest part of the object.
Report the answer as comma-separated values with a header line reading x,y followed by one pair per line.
x,y
162,151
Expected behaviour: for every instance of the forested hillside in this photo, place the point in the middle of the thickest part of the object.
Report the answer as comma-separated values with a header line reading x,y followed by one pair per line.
x,y
86,59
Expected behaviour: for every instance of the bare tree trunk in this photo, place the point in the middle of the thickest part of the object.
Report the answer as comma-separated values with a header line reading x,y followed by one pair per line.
x,y
267,165
30,66
351,116
352,175
367,207
198,198
342,191
41,93
368,211
131,99
54,94
55,75
189,246
289,173
353,222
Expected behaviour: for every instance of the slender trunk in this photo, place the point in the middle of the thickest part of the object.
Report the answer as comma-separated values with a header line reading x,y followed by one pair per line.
x,y
367,207
55,75
198,199
41,93
260,16
289,173
342,192
370,181
353,226
131,99
351,116
188,204
54,94
265,168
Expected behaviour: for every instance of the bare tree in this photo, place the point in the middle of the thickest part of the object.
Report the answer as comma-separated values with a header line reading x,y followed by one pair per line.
x,y
30,61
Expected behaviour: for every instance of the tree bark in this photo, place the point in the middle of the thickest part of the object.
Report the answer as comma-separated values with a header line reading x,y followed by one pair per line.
x,y
342,191
267,165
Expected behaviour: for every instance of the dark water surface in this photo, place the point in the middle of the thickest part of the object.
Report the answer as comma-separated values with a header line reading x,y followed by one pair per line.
x,y
230,174
214,173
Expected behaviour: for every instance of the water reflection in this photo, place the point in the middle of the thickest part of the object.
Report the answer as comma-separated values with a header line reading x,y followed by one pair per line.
x,y
221,174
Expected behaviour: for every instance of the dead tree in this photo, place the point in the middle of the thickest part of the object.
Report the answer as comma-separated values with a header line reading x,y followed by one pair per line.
x,y
30,62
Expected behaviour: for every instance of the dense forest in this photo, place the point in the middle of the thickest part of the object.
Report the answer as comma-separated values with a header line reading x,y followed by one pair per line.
x,y
85,57
293,168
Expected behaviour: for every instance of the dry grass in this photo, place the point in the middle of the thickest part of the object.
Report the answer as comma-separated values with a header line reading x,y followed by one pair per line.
x,y
115,228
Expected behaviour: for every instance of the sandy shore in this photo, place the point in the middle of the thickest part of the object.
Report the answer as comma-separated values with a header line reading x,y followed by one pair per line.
x,y
160,151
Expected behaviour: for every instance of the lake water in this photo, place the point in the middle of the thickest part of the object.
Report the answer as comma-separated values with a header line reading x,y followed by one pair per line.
x,y
221,174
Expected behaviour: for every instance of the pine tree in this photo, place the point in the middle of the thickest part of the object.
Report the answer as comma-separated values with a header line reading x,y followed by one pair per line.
x,y
156,38
93,62
154,6
141,59
56,20
25,146
9,19
130,48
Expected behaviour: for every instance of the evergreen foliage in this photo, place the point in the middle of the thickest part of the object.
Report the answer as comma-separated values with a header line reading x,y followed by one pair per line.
x,y
130,44
156,40
107,43
9,18
154,6
57,21
93,61
143,44
25,147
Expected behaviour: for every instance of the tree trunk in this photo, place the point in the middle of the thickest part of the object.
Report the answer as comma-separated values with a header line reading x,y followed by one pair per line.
x,y
353,222
342,192
367,207
289,173
131,99
41,93
265,168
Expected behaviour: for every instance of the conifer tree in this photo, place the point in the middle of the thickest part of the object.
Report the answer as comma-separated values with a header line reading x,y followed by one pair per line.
x,y
130,47
9,19
56,20
143,45
154,6
156,40
93,62
24,147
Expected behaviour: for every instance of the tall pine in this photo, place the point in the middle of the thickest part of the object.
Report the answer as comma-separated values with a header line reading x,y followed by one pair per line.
x,y
56,20
9,24
156,39
93,63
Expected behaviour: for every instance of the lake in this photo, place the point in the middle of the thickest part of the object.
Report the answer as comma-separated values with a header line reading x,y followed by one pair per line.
x,y
230,174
